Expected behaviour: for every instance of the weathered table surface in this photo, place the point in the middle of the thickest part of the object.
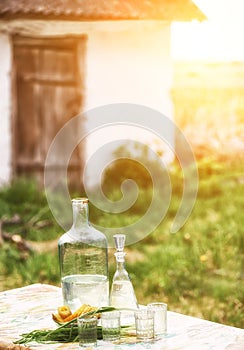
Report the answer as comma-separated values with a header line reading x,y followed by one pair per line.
x,y
25,309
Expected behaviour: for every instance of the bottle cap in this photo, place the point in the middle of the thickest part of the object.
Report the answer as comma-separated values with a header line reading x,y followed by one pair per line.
x,y
83,200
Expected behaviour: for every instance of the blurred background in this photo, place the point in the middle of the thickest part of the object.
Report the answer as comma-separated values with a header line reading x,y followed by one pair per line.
x,y
198,271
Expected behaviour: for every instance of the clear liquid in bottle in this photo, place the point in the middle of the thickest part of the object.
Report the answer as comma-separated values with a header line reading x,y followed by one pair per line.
x,y
122,295
85,289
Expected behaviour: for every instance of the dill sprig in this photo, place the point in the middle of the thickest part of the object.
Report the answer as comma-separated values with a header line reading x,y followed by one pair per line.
x,y
64,333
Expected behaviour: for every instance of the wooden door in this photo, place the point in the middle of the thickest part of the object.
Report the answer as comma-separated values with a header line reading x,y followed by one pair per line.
x,y
48,91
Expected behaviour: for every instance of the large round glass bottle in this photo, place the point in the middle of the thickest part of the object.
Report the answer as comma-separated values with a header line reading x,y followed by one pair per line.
x,y
83,258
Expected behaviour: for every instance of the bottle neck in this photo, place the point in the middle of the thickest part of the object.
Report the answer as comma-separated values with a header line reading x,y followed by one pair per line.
x,y
80,214
120,260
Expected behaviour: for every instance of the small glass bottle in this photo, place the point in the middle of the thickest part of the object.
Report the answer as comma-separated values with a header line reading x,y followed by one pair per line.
x,y
122,292
83,259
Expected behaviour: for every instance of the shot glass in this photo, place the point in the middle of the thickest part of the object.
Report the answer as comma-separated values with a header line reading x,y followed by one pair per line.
x,y
87,328
110,322
144,322
160,318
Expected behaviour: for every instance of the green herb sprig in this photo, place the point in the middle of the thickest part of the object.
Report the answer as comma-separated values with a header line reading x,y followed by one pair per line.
x,y
65,333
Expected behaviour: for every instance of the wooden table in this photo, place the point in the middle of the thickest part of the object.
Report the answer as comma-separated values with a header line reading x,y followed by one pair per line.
x,y
25,309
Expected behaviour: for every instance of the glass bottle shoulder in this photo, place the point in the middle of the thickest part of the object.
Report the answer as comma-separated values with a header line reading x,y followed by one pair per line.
x,y
87,234
121,275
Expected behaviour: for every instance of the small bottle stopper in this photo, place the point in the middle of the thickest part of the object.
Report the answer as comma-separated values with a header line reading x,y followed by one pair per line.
x,y
119,240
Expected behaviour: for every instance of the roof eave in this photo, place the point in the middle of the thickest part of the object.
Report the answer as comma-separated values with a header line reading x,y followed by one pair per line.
x,y
7,17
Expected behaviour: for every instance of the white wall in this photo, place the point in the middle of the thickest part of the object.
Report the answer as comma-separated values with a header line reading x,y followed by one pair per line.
x,y
130,65
5,109
127,61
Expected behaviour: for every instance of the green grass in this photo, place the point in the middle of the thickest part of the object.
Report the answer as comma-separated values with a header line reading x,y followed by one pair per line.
x,y
198,271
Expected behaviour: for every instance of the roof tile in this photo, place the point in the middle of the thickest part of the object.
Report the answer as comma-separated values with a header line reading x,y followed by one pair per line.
x,y
181,10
